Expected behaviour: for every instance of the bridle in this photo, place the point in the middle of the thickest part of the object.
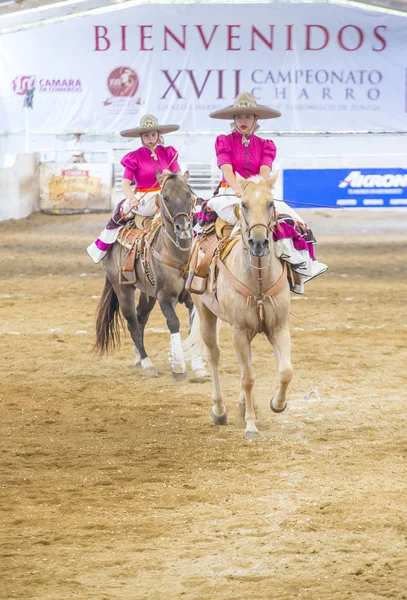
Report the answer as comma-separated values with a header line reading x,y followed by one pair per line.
x,y
260,296
168,217
270,230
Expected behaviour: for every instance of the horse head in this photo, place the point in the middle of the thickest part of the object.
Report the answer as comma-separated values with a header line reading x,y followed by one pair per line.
x,y
176,204
256,213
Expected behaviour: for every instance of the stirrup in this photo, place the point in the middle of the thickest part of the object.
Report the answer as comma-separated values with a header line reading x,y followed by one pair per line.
x,y
123,280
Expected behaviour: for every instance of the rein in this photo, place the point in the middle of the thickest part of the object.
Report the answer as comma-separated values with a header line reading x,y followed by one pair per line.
x,y
171,219
175,157
309,204
287,202
259,297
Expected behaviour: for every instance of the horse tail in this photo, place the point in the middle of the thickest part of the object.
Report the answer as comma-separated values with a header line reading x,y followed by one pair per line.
x,y
194,345
108,321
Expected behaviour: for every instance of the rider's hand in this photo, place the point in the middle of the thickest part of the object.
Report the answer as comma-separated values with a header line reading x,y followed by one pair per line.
x,y
238,190
134,202
166,172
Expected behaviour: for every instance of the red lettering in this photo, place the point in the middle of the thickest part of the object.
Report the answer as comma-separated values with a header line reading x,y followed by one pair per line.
x,y
144,37
268,43
309,29
237,81
380,38
289,37
220,84
172,84
123,28
174,37
201,33
232,37
192,78
340,38
99,37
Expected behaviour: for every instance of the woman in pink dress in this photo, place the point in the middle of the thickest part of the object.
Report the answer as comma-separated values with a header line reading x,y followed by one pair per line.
x,y
140,169
245,153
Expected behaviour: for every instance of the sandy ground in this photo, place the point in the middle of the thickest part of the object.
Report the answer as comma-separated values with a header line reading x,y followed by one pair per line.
x,y
117,486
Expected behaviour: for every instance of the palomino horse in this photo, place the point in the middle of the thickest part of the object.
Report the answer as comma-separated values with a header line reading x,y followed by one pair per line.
x,y
169,254
253,296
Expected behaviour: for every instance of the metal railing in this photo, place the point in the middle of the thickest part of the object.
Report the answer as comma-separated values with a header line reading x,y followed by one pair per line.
x,y
203,177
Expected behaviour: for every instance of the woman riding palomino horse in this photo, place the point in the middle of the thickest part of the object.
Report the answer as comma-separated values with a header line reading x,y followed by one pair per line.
x,y
168,252
253,296
245,153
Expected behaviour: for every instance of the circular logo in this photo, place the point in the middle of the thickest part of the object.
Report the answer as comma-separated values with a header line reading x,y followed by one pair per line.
x,y
123,81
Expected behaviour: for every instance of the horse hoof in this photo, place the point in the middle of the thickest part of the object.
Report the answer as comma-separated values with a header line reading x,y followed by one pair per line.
x,y
222,420
137,363
179,376
201,374
251,435
277,410
151,371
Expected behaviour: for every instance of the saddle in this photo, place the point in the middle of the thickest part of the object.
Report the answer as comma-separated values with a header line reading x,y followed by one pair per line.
x,y
215,243
203,271
134,239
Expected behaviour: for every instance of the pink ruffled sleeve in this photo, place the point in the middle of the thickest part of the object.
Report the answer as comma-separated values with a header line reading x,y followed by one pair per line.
x,y
172,156
223,149
130,165
268,154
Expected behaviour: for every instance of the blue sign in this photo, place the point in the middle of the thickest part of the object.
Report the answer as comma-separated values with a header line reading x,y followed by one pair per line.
x,y
348,188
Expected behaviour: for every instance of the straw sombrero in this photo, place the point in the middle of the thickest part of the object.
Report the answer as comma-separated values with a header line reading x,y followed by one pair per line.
x,y
148,123
245,104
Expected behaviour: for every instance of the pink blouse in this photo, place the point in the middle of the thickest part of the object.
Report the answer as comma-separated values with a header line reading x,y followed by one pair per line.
x,y
140,167
246,160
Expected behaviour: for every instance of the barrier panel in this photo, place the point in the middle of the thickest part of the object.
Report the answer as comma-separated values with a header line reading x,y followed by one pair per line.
x,y
72,188
350,188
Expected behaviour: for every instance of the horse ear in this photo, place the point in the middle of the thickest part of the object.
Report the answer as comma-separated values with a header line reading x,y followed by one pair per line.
x,y
243,182
186,176
159,176
271,180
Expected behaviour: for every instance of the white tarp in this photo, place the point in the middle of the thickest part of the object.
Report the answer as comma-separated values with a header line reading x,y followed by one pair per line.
x,y
325,67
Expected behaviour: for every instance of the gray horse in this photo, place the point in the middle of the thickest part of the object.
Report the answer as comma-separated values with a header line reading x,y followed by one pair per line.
x,y
169,254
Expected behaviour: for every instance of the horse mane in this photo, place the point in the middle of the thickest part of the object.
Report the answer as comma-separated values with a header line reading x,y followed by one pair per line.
x,y
175,176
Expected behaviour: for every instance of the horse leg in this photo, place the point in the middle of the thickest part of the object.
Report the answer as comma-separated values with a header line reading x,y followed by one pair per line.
x,y
281,342
196,357
243,353
178,367
208,331
125,295
144,308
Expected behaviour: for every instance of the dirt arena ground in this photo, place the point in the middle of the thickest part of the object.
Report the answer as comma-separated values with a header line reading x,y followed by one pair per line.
x,y
117,486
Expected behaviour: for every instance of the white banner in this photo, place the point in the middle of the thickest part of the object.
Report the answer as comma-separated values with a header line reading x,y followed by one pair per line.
x,y
325,67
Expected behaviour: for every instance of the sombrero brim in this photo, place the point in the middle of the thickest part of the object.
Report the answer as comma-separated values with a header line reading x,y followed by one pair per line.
x,y
137,131
260,111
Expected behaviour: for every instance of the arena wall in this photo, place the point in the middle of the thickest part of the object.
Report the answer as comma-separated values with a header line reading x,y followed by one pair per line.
x,y
19,187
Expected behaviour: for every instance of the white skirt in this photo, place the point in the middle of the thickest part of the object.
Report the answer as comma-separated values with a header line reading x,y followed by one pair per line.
x,y
224,204
225,201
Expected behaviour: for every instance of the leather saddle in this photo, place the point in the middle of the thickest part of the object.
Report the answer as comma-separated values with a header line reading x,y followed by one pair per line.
x,y
214,243
132,239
